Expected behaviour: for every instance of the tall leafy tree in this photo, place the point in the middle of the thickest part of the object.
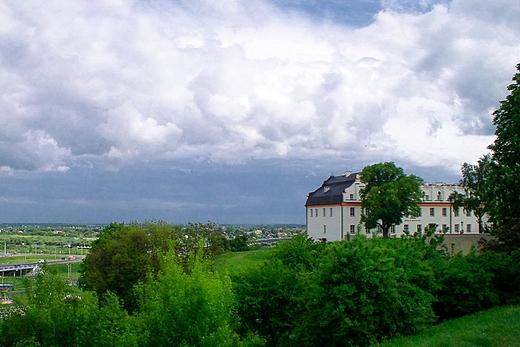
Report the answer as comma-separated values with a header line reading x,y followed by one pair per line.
x,y
188,305
503,184
124,255
473,182
389,195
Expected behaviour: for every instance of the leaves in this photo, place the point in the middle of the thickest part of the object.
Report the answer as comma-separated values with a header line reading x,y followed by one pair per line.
x,y
388,196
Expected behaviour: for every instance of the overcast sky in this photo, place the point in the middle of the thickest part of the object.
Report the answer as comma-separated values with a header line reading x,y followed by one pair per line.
x,y
232,111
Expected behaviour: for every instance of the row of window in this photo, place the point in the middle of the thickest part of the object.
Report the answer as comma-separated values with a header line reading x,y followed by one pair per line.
x,y
444,212
458,228
314,212
427,197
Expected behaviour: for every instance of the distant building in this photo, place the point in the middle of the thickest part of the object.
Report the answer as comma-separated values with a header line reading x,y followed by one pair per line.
x,y
334,210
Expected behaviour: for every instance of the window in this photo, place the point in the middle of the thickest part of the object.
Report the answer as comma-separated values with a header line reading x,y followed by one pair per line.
x,y
331,211
367,231
405,227
444,211
392,229
439,197
468,228
432,211
352,211
351,196
444,227
419,227
352,229
316,212
420,212
324,229
456,212
426,197
311,212
468,213
456,228
324,212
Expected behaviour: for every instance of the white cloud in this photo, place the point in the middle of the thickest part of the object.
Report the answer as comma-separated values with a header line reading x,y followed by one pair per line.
x,y
126,82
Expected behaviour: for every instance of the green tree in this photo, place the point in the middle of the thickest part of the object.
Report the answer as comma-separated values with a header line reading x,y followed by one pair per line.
x,y
389,195
124,255
119,259
187,306
503,184
366,291
57,316
473,183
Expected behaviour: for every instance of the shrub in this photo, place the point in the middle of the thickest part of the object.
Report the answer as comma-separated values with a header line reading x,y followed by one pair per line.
x,y
361,294
269,300
465,286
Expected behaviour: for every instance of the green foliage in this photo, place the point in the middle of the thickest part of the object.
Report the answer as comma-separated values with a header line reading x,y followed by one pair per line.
x,y
124,255
56,317
361,295
119,259
298,253
473,182
239,243
465,286
505,269
503,185
182,308
269,300
493,185
389,195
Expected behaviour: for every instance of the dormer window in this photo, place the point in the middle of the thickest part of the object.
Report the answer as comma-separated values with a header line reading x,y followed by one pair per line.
x,y
326,189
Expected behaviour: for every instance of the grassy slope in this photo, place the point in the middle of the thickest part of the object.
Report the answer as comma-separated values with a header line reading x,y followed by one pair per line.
x,y
235,262
497,327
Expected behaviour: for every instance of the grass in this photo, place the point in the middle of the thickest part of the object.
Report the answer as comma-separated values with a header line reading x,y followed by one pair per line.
x,y
497,327
237,261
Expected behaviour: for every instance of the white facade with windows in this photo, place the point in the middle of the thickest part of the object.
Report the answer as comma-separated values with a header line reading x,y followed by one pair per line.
x,y
334,210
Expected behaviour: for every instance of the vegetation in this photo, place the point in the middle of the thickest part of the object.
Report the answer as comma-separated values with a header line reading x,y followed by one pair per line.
x,y
497,327
356,292
493,185
388,196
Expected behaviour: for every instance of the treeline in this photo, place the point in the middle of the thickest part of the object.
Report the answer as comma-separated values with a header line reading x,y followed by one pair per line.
x,y
154,285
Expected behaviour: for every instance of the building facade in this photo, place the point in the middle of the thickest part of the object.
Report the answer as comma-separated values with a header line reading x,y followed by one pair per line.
x,y
333,211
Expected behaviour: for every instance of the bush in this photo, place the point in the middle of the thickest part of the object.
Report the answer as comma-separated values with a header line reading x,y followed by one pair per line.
x,y
56,317
361,294
465,286
269,301
187,306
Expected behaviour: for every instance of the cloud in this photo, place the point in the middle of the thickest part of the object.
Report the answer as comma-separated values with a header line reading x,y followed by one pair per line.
x,y
128,82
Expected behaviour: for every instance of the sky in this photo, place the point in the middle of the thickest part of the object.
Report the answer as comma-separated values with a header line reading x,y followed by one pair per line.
x,y
232,111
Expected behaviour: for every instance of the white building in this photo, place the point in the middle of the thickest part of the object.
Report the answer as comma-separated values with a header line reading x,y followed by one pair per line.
x,y
334,210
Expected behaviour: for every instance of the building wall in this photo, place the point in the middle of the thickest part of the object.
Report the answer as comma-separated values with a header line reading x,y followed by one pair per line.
x,y
345,217
324,222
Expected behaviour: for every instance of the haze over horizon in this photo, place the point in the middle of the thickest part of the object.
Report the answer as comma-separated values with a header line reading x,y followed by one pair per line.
x,y
233,111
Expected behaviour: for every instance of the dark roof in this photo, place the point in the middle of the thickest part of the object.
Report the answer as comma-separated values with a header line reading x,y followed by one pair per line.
x,y
331,191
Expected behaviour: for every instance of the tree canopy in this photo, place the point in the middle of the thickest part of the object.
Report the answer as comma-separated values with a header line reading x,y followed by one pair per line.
x,y
473,182
503,184
124,255
389,195
493,185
